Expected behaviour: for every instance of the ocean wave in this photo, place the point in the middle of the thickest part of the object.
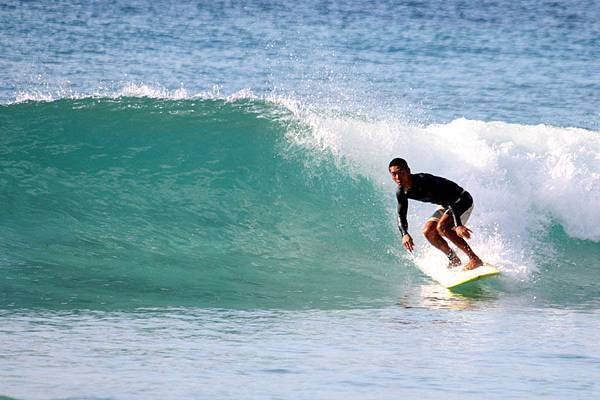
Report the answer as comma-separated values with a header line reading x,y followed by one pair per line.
x,y
140,200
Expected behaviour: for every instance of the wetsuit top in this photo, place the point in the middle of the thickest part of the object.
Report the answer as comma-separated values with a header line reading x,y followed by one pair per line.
x,y
430,189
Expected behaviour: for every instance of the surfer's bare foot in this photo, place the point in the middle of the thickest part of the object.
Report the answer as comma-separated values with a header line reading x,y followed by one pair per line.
x,y
473,263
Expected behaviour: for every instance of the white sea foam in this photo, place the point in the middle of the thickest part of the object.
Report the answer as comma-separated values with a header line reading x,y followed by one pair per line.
x,y
522,177
128,89
143,90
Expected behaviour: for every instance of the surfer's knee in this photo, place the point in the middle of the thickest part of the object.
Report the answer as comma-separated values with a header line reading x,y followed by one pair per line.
x,y
430,230
443,229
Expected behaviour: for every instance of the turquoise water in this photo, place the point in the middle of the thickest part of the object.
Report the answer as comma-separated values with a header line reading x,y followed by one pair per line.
x,y
143,203
196,202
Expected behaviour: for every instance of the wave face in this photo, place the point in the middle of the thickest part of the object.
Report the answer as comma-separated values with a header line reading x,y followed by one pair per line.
x,y
148,202
139,202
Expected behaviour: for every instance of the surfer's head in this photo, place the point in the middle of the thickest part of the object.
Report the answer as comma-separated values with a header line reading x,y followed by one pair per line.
x,y
400,172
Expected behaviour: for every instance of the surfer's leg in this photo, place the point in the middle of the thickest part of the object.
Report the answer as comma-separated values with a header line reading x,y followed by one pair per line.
x,y
431,233
444,228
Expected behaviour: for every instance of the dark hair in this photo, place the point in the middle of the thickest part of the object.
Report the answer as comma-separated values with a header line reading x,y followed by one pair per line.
x,y
399,162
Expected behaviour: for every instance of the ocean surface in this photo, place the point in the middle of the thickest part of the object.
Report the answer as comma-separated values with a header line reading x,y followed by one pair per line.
x,y
195,200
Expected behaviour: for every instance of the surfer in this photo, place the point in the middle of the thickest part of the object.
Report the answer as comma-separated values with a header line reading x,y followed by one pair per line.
x,y
455,206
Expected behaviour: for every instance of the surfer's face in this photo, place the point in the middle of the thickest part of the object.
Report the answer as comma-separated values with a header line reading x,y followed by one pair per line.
x,y
400,176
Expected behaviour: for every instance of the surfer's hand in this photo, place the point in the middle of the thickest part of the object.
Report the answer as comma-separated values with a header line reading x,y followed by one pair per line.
x,y
463,232
407,242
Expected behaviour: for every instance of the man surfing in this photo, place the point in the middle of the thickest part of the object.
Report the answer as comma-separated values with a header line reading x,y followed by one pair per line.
x,y
455,206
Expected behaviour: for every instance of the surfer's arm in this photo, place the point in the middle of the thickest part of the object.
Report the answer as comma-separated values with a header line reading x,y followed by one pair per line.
x,y
402,212
407,241
461,230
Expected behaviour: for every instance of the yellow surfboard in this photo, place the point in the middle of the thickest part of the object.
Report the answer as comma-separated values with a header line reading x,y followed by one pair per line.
x,y
455,277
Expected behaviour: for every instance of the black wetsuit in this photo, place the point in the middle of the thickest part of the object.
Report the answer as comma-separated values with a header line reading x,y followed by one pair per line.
x,y
433,189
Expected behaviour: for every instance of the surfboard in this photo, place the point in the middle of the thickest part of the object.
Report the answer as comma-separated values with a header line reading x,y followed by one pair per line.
x,y
456,277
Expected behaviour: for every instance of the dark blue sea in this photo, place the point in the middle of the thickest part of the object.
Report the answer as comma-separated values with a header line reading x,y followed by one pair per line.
x,y
195,200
